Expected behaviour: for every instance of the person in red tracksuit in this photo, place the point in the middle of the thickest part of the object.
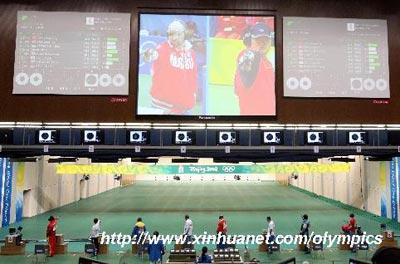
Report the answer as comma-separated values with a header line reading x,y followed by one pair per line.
x,y
351,226
174,70
255,76
51,235
222,228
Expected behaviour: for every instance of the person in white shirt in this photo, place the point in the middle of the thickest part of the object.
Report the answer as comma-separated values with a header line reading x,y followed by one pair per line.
x,y
270,233
188,229
95,235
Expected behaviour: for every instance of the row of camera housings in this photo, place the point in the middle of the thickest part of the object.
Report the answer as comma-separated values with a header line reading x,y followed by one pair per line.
x,y
187,137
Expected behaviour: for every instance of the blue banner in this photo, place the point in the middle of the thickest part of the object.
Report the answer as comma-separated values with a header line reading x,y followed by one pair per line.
x,y
394,164
19,207
2,163
383,188
398,187
7,194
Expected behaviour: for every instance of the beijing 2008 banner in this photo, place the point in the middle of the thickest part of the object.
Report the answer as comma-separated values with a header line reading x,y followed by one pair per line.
x,y
200,169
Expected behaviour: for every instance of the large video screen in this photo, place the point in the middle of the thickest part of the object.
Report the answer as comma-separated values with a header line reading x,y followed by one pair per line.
x,y
331,57
72,53
201,65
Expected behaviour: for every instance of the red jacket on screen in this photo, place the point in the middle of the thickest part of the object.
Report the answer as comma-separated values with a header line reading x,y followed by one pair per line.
x,y
175,78
259,97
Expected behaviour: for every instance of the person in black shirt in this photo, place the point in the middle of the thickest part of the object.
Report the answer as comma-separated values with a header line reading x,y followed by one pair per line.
x,y
305,231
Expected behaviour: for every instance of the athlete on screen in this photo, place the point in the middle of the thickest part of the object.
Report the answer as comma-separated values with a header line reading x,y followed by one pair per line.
x,y
174,82
255,77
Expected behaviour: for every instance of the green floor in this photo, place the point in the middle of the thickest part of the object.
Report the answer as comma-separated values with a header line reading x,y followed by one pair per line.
x,y
163,206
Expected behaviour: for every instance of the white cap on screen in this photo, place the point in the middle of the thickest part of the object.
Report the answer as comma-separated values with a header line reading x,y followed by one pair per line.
x,y
176,26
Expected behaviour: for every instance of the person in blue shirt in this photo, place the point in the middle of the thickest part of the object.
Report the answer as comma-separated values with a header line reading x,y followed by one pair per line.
x,y
204,258
156,249
138,229
139,236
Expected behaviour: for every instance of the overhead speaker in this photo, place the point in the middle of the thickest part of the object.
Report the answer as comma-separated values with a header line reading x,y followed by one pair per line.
x,y
184,137
227,138
357,138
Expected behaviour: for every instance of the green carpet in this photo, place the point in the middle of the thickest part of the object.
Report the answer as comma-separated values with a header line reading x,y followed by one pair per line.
x,y
163,206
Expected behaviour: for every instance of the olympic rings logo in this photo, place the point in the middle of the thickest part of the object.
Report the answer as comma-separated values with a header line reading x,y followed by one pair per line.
x,y
228,168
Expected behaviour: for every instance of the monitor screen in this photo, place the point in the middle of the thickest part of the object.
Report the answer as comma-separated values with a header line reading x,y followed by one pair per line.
x,y
95,136
206,65
48,136
332,57
72,53
138,137
181,137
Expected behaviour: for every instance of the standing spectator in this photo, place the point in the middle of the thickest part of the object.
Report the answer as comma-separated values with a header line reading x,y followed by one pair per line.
x,y
95,234
188,230
222,228
18,239
138,228
138,235
270,233
156,249
51,235
305,231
